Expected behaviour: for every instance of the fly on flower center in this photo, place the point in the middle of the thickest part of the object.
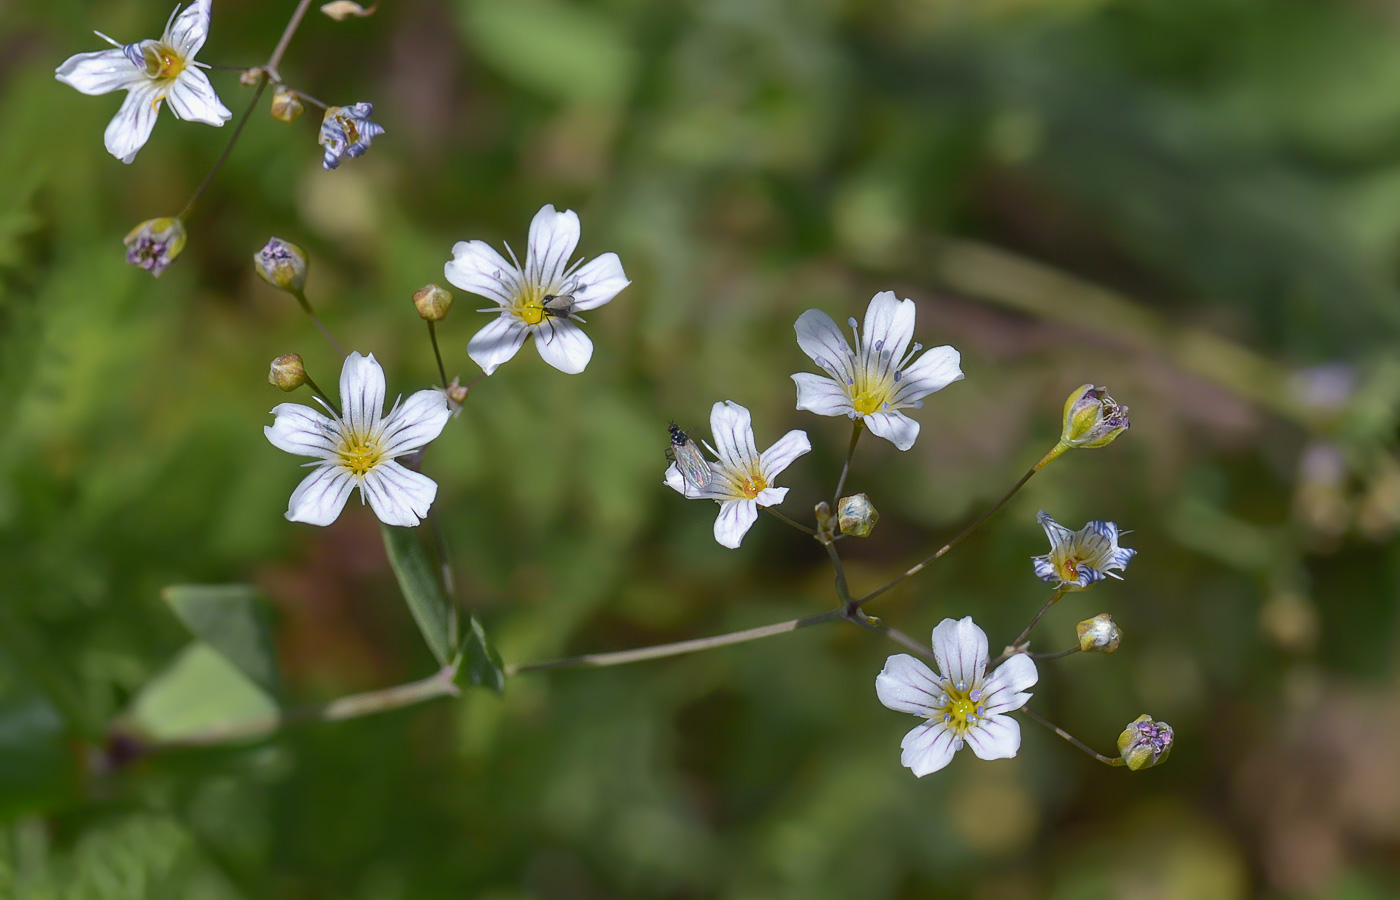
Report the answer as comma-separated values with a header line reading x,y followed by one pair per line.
x,y
360,457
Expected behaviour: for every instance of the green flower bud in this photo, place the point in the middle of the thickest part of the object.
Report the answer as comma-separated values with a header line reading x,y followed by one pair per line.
x,y
282,264
287,373
1145,743
433,302
823,512
1092,418
857,515
1099,634
286,105
155,243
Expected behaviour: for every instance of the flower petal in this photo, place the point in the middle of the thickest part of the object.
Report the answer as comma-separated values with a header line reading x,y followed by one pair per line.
x,y
1057,533
735,519
598,282
192,98
361,392
415,423
998,737
477,268
100,72
1044,569
302,430
933,371
895,427
189,30
497,342
732,427
821,395
906,685
927,748
771,496
563,345
779,456
823,342
960,649
398,495
130,128
321,496
553,239
889,322
1003,690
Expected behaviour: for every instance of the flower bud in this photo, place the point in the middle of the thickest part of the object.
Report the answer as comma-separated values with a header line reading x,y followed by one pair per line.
x,y
340,10
857,515
1092,418
456,394
286,105
1100,634
287,372
823,513
282,264
433,302
1145,743
155,243
250,77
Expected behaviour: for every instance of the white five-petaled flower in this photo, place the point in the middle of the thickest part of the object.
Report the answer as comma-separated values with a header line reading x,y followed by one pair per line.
x,y
961,705
879,378
542,298
742,479
1077,559
150,71
358,448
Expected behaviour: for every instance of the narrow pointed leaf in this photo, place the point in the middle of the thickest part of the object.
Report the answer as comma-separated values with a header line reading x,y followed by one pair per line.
x,y
479,663
234,620
418,580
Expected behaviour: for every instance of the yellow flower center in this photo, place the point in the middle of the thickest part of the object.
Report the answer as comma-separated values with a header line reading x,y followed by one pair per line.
x,y
162,62
360,457
870,398
960,713
753,485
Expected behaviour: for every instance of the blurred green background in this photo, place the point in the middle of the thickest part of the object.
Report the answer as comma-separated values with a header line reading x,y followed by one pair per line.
x,y
1195,202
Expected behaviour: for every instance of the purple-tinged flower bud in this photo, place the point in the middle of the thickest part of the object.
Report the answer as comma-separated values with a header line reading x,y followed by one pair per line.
x,y
346,131
1092,418
432,302
1145,743
1099,635
282,264
286,105
155,243
287,373
857,515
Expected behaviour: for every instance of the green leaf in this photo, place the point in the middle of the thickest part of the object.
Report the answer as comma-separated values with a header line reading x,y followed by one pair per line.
x,y
479,663
418,580
200,691
234,620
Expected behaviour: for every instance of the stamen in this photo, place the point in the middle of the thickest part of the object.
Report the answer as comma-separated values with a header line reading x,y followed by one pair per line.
x,y
962,685
109,40
975,695
959,743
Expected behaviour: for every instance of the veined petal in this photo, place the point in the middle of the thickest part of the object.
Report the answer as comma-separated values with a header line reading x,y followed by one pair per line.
x,y
321,496
189,30
1044,569
771,496
821,395
735,519
361,392
100,72
895,427
302,430
779,456
732,427
889,322
906,685
563,345
960,649
998,737
477,268
398,495
933,371
598,282
823,342
130,128
1003,690
553,239
1057,533
192,98
497,342
927,748
415,423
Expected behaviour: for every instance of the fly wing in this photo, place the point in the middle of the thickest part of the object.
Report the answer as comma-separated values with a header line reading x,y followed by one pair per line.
x,y
692,465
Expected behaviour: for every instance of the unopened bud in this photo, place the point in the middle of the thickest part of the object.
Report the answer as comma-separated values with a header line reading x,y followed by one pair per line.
x,y
282,264
823,512
1092,418
155,243
340,10
250,77
287,372
1145,743
456,394
433,302
286,105
857,515
1099,635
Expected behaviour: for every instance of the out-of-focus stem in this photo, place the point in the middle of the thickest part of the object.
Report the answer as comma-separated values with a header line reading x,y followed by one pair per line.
x,y
1054,598
315,320
857,426
1106,760
228,148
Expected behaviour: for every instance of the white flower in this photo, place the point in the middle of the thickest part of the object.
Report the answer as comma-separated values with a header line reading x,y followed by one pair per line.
x,y
150,71
742,479
876,381
357,448
543,298
961,706
1077,559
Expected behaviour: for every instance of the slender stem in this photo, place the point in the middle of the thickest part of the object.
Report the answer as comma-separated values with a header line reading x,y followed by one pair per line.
x,y
1070,652
1106,760
843,590
857,427
432,335
660,651
275,59
1054,598
893,634
228,148
782,518
316,389
309,99
325,332
962,535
